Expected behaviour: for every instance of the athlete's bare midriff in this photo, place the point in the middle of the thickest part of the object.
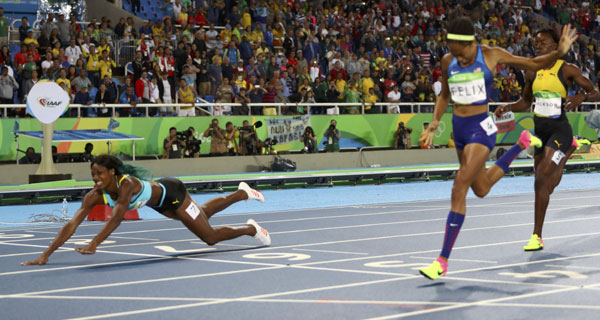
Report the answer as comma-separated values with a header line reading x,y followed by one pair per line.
x,y
469,110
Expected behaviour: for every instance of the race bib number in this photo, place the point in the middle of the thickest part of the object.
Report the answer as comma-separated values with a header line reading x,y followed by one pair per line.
x,y
489,126
192,210
467,88
140,204
557,156
547,104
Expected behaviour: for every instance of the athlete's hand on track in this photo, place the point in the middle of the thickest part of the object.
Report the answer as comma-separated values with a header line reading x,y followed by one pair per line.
x,y
88,249
39,261
566,39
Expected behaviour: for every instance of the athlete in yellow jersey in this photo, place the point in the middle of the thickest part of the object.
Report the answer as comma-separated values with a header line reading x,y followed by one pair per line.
x,y
549,87
186,94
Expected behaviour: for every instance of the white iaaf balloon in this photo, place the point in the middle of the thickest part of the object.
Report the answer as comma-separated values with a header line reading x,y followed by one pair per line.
x,y
47,101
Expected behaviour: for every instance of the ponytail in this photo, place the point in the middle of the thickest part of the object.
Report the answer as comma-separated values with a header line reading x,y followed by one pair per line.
x,y
112,162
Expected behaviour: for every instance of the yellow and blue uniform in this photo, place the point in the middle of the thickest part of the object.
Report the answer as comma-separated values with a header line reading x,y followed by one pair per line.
x,y
551,125
472,85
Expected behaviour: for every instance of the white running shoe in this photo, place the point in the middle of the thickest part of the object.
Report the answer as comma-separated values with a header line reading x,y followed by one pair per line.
x,y
262,234
252,194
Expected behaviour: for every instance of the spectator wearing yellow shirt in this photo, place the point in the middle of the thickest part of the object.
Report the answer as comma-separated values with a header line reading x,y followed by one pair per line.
x,y
157,28
257,36
365,83
93,64
340,85
106,65
62,79
370,99
103,46
30,39
246,18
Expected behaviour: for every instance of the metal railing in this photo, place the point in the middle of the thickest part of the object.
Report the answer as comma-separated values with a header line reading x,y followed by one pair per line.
x,y
224,109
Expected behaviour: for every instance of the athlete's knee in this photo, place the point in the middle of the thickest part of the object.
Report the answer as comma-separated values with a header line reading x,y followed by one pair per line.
x,y
210,240
480,192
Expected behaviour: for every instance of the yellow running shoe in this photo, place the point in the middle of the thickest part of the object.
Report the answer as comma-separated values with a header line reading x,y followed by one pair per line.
x,y
528,139
435,270
534,244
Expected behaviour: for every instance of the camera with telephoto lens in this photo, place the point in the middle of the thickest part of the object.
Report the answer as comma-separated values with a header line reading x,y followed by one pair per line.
x,y
270,142
251,128
182,135
309,144
332,127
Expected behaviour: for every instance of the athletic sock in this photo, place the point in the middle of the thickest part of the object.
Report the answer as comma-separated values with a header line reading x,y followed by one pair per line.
x,y
453,224
507,158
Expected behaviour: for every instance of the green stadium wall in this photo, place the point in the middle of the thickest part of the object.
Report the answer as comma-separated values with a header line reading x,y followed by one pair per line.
x,y
357,131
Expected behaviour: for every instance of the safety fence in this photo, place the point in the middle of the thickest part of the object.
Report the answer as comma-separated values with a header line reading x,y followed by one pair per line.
x,y
204,108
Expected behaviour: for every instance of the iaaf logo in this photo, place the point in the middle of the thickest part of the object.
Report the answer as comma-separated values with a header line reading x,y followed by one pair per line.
x,y
45,102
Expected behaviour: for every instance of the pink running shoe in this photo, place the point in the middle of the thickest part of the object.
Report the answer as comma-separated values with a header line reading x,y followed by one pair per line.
x,y
527,139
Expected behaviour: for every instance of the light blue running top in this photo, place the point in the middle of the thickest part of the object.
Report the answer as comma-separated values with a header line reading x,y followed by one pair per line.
x,y
137,201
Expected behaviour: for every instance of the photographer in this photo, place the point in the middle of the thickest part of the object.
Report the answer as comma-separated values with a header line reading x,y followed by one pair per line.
x,y
332,136
402,137
310,140
172,145
248,141
231,136
218,144
192,145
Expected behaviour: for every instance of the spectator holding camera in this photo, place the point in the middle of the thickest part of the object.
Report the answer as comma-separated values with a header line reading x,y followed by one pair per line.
x,y
231,136
402,136
172,145
310,140
248,141
332,137
218,144
192,145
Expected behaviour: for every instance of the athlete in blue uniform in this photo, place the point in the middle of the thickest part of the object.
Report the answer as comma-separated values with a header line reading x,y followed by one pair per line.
x,y
122,188
549,88
467,73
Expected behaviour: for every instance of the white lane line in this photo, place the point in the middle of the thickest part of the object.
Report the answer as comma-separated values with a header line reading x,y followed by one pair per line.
x,y
250,298
454,259
543,306
331,251
132,238
572,267
137,282
63,297
479,303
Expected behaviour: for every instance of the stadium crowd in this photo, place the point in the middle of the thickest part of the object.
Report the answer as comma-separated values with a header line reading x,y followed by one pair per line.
x,y
296,52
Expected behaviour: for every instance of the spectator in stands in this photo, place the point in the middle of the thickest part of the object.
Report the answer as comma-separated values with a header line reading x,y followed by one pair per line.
x,y
186,95
3,28
128,97
103,96
225,92
166,93
81,80
82,97
8,85
93,65
29,83
62,78
218,144
214,72
73,52
111,87
64,28
106,65
142,88
394,96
